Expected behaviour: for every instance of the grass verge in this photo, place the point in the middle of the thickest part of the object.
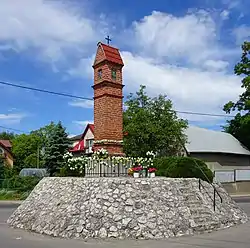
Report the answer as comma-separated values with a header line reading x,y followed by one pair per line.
x,y
13,195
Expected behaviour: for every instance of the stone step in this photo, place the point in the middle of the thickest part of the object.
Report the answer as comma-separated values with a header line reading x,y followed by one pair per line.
x,y
208,226
202,219
200,206
200,212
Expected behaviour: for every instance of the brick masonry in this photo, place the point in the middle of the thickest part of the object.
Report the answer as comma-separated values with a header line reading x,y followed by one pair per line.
x,y
108,108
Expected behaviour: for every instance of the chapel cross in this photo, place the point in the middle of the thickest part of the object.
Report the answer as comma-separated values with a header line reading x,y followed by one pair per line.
x,y
108,39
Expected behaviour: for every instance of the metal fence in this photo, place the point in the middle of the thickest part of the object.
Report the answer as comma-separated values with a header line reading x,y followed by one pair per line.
x,y
229,176
107,168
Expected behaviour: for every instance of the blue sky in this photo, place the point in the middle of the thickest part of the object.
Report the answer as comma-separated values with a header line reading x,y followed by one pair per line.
x,y
185,49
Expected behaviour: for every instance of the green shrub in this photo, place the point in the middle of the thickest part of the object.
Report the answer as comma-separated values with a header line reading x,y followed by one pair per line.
x,y
66,172
20,184
1,167
9,195
162,165
13,195
183,167
9,172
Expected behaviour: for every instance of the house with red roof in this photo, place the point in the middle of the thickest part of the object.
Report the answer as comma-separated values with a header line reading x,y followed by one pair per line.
x,y
83,143
5,152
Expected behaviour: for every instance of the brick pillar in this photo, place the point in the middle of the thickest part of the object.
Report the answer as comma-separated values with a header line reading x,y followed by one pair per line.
x,y
108,111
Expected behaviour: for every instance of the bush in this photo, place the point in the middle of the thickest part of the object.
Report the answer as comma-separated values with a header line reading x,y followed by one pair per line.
x,y
13,195
9,195
183,167
66,172
20,184
9,172
162,165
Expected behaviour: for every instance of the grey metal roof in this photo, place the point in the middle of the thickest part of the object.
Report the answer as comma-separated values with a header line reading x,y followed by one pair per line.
x,y
75,138
205,140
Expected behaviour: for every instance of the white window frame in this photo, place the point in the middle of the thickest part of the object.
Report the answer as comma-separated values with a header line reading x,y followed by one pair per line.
x,y
87,143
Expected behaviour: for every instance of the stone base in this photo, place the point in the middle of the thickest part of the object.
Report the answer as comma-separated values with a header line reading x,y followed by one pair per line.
x,y
144,208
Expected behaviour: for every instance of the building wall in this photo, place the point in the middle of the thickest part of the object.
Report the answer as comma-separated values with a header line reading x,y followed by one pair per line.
x,y
8,157
89,135
225,160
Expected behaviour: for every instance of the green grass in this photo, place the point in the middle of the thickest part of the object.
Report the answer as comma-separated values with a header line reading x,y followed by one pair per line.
x,y
12,195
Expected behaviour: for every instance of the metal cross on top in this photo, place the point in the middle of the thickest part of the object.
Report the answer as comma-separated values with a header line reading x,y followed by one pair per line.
x,y
108,39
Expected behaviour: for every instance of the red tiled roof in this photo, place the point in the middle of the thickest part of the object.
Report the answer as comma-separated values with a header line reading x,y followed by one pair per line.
x,y
78,147
112,54
6,143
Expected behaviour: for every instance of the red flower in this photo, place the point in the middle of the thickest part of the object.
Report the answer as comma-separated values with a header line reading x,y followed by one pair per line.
x,y
137,169
150,170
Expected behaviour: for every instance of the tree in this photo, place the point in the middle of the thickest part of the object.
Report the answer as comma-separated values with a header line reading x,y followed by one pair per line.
x,y
58,144
240,125
7,136
45,132
25,147
1,168
152,125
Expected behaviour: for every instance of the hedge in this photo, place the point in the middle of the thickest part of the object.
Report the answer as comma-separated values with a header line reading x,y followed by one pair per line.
x,y
20,184
183,167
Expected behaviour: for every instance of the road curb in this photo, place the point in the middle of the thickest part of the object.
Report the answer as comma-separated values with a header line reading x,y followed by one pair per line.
x,y
10,204
241,198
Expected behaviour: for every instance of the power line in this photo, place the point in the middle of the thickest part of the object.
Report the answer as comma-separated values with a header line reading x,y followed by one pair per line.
x,y
13,129
90,99
45,91
205,114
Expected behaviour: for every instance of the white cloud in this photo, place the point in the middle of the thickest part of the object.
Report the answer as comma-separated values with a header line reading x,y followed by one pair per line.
x,y
83,69
241,33
183,58
52,27
82,103
11,118
225,14
80,125
190,89
215,65
187,37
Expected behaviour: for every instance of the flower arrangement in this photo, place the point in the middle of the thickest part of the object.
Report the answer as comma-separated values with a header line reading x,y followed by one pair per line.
x,y
137,169
151,170
101,154
101,157
150,154
130,171
75,165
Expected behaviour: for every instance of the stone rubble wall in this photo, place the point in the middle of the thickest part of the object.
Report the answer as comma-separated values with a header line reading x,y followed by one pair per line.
x,y
144,208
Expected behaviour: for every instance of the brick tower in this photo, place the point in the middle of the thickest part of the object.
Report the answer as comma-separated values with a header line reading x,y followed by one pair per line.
x,y
108,111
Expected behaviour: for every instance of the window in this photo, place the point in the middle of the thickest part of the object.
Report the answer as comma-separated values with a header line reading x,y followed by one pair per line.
x,y
89,143
100,74
113,74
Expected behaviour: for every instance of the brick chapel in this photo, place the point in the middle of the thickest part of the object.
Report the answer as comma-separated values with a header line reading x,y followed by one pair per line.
x,y
107,131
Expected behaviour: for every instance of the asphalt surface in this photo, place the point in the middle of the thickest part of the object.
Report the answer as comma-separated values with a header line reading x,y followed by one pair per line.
x,y
229,238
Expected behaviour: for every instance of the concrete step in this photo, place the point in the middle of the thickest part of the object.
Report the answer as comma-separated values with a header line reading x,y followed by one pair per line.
x,y
203,219
208,225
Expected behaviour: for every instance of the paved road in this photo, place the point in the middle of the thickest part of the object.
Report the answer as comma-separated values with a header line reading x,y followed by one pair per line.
x,y
230,238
